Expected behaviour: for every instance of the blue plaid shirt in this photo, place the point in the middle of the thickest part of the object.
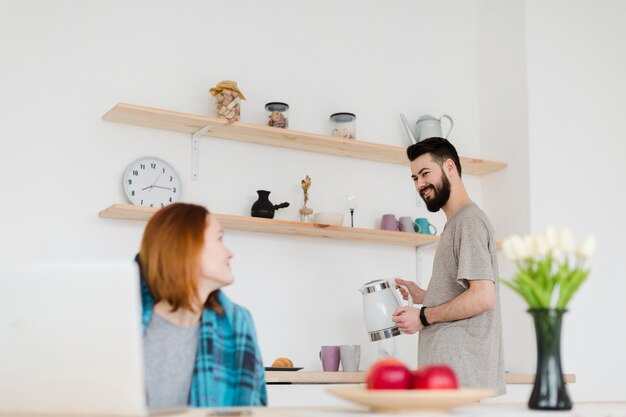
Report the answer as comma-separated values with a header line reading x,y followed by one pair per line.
x,y
229,369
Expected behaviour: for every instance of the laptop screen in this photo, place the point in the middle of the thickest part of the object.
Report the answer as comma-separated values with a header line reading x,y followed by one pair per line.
x,y
71,340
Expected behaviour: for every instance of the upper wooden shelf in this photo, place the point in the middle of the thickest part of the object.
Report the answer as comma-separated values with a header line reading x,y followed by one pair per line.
x,y
255,224
265,135
309,377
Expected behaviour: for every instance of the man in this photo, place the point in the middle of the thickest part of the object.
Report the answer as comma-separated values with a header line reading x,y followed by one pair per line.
x,y
459,323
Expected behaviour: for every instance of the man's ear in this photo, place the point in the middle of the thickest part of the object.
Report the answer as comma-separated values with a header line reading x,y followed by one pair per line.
x,y
450,167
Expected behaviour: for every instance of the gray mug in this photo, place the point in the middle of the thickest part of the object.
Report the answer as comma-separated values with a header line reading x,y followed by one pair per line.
x,y
350,357
407,224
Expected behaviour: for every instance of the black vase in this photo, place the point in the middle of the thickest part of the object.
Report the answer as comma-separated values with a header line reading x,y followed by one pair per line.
x,y
549,391
263,207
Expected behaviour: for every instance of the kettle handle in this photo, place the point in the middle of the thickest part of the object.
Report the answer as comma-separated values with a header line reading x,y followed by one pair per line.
x,y
410,300
451,124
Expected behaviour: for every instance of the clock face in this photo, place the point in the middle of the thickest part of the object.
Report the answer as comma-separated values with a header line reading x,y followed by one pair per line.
x,y
151,182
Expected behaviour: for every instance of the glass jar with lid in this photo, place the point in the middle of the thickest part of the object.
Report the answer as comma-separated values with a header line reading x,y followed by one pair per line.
x,y
277,114
343,125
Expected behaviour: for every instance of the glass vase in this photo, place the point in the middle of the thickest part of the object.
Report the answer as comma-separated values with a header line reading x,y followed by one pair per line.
x,y
549,391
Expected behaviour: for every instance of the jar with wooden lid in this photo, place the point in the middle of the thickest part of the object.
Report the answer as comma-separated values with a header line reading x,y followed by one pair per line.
x,y
227,100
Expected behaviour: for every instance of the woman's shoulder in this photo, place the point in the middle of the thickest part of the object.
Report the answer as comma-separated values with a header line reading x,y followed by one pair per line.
x,y
232,309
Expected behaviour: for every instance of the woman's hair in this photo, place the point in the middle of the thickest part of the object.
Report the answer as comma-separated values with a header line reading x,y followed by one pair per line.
x,y
170,255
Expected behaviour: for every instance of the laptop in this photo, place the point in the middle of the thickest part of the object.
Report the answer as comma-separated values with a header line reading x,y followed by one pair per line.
x,y
71,340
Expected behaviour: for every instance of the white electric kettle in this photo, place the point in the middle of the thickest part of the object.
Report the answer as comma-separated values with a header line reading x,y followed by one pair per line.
x,y
380,300
427,127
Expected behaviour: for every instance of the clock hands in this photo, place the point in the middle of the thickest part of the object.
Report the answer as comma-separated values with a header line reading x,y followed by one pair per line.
x,y
156,186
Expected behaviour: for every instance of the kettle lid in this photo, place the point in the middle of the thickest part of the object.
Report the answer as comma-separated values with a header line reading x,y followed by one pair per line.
x,y
426,117
376,285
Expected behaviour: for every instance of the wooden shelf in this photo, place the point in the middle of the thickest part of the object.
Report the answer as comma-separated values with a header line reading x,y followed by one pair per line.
x,y
305,377
255,224
265,135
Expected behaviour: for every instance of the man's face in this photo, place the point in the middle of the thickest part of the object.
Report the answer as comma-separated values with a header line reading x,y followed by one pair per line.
x,y
430,182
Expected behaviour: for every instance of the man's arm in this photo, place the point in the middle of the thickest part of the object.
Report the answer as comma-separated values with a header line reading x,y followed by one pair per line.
x,y
478,298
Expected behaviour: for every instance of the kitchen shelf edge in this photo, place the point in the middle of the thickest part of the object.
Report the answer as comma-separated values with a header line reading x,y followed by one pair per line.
x,y
271,136
255,224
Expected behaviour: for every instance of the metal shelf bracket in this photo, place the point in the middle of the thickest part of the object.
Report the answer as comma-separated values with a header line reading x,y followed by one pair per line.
x,y
195,150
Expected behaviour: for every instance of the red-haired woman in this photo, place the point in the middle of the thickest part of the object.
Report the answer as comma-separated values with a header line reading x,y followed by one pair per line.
x,y
200,348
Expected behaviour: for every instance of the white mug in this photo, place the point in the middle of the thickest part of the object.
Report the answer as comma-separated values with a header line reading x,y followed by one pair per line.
x,y
350,357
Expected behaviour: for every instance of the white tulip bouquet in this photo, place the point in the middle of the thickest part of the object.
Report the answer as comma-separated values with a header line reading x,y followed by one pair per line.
x,y
551,267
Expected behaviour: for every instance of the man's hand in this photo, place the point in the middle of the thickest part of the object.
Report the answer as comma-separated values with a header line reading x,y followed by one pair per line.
x,y
416,292
407,319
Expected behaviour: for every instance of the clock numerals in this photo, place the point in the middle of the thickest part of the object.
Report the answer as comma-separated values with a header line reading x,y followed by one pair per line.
x,y
142,166
153,166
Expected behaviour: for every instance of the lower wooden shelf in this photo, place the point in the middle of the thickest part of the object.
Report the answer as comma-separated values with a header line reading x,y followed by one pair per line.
x,y
311,377
255,224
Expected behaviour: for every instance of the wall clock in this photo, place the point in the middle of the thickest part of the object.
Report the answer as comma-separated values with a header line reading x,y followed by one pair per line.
x,y
151,182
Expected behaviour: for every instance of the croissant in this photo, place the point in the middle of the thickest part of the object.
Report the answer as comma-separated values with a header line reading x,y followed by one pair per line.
x,y
283,363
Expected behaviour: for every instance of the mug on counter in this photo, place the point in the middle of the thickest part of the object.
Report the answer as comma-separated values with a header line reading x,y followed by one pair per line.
x,y
329,355
350,357
422,225
389,222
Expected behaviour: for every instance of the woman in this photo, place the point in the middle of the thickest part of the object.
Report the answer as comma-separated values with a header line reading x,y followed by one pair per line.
x,y
200,348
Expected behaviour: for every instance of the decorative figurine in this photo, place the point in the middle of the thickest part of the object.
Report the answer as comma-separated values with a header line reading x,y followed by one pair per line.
x,y
306,214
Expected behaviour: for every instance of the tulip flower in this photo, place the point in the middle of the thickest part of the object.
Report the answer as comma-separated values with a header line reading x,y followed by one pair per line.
x,y
551,237
546,278
566,241
587,248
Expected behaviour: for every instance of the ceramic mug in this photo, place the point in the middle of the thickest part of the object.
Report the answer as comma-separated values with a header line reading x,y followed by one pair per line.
x,y
389,222
329,355
407,224
350,357
422,225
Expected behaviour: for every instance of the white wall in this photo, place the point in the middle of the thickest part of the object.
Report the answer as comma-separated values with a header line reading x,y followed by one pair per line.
x,y
577,101
65,63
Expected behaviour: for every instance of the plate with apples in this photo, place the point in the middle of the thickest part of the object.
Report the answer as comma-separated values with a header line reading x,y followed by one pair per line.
x,y
392,388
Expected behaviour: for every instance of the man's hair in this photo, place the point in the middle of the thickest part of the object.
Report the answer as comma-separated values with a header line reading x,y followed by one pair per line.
x,y
439,148
170,255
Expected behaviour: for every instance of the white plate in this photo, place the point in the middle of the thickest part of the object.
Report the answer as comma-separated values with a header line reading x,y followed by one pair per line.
x,y
397,401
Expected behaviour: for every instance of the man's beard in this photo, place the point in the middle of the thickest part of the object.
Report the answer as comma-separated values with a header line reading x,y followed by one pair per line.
x,y
440,197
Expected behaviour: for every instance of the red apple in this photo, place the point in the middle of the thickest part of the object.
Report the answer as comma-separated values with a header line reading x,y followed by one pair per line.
x,y
434,377
388,374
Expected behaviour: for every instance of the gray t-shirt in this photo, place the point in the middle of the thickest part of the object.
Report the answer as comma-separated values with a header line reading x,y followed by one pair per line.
x,y
472,347
170,357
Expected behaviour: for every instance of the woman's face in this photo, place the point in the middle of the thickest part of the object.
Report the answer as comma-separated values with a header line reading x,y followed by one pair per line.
x,y
215,256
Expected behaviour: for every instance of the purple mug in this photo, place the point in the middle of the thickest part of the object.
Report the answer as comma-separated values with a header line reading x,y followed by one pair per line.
x,y
389,222
330,358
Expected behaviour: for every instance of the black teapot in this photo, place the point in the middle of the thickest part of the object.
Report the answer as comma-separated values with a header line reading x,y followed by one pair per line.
x,y
263,207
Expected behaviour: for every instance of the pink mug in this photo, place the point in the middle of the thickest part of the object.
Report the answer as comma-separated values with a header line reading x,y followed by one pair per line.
x,y
330,356
389,222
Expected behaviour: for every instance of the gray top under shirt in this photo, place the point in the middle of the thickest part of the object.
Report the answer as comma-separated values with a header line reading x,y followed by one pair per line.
x,y
472,347
170,358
